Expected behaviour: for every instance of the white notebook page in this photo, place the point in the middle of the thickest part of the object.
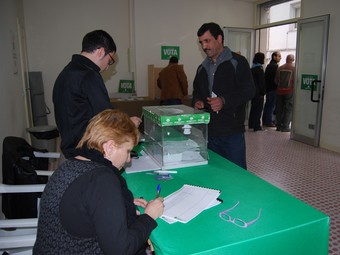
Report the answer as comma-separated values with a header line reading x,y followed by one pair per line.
x,y
187,202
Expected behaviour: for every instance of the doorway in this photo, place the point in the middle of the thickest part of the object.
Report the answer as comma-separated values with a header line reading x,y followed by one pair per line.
x,y
310,79
281,29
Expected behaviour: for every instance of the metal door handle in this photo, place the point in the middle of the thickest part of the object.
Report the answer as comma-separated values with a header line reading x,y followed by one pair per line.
x,y
312,91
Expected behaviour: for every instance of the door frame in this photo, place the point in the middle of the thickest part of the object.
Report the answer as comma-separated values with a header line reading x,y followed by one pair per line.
x,y
315,141
24,77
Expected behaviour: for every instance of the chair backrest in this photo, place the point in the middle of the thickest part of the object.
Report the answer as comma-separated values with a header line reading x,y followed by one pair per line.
x,y
18,167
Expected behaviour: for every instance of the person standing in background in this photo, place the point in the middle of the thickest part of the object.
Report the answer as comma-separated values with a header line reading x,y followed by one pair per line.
x,y
269,106
222,86
257,102
173,83
285,76
79,91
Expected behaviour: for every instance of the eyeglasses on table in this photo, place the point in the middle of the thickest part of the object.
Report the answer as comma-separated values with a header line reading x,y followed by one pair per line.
x,y
237,221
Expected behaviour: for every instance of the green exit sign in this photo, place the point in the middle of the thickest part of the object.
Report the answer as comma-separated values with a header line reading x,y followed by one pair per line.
x,y
169,51
306,81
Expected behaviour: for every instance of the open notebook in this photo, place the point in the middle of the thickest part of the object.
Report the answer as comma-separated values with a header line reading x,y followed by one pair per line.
x,y
189,201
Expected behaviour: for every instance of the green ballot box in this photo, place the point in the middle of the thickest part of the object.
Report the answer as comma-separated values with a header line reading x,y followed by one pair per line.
x,y
176,135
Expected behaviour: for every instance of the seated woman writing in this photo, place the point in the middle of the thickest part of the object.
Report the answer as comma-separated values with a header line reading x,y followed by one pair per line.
x,y
86,207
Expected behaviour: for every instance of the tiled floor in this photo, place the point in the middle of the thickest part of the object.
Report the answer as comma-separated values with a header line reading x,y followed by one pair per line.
x,y
308,173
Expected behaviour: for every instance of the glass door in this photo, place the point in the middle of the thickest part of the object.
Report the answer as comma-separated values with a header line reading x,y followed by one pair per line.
x,y
311,57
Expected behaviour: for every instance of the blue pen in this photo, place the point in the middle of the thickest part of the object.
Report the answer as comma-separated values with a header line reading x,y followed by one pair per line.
x,y
158,190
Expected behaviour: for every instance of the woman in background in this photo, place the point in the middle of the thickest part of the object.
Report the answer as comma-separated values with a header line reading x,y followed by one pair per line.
x,y
258,100
86,207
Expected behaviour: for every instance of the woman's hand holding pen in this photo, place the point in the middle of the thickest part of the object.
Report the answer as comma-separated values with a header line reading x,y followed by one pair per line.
x,y
155,208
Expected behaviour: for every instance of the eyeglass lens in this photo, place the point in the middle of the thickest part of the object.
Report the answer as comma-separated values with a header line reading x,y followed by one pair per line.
x,y
112,61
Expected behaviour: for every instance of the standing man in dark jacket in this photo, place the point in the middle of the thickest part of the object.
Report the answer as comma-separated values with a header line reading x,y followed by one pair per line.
x,y
269,106
79,92
257,101
223,85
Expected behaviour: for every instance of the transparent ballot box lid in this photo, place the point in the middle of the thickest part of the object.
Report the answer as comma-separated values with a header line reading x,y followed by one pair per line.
x,y
176,135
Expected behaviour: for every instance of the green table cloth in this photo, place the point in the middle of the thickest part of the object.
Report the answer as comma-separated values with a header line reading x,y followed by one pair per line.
x,y
286,225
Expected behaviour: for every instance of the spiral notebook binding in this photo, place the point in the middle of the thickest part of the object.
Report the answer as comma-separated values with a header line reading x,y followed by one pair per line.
x,y
197,186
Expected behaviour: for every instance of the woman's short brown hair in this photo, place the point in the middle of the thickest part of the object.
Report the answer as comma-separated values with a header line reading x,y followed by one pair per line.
x,y
109,125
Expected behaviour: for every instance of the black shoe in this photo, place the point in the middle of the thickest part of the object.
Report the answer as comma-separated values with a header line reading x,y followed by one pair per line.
x,y
278,129
259,129
285,129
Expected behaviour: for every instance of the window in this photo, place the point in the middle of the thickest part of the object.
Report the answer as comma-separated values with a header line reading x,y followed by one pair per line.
x,y
277,27
295,13
278,11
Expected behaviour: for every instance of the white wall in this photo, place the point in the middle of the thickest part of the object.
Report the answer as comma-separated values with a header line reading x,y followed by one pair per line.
x,y
330,130
175,23
12,111
55,29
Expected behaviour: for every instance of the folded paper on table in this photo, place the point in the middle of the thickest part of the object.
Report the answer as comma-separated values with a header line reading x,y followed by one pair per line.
x,y
141,164
189,201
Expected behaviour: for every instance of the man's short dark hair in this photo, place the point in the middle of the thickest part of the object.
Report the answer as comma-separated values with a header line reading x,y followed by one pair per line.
x,y
173,60
214,29
98,39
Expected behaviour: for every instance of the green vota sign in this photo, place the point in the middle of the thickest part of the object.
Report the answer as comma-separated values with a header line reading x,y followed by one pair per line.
x,y
306,81
169,51
126,86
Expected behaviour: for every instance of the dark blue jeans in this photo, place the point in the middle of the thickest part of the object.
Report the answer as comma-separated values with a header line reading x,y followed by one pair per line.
x,y
269,107
231,147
